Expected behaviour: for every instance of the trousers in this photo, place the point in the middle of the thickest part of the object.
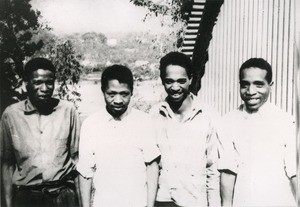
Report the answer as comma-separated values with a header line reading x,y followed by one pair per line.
x,y
62,196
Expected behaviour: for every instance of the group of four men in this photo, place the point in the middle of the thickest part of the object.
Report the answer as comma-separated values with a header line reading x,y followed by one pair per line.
x,y
181,154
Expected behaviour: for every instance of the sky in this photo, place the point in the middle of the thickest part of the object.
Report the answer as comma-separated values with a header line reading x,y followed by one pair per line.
x,y
105,16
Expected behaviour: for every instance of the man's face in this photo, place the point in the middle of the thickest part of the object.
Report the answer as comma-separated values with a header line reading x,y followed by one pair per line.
x,y
117,97
40,86
176,83
254,88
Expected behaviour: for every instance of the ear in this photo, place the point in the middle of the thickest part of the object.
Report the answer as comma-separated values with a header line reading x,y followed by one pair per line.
x,y
271,86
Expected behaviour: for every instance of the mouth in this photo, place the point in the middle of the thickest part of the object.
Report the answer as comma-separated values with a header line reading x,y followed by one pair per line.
x,y
118,108
252,101
176,95
44,97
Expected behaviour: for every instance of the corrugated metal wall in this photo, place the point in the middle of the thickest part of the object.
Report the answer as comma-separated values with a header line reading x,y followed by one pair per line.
x,y
245,29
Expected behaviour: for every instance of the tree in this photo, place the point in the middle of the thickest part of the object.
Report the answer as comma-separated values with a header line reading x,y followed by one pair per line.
x,y
179,11
18,24
67,63
175,10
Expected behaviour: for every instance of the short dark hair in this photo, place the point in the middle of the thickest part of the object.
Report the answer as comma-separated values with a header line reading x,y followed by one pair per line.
x,y
35,64
117,72
257,63
175,58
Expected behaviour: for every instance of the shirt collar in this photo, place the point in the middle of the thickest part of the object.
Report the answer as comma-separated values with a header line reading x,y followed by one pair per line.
x,y
109,117
29,108
166,111
261,111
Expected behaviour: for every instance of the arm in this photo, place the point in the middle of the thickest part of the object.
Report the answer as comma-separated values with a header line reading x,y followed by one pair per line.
x,y
227,183
293,182
212,173
86,164
7,161
85,188
7,173
152,181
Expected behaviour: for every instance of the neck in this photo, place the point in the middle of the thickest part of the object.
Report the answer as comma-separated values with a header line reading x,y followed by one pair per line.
x,y
182,107
44,107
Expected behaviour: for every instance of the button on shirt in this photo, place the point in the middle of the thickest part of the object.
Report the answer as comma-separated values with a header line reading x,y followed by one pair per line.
x,y
188,175
40,145
114,153
263,147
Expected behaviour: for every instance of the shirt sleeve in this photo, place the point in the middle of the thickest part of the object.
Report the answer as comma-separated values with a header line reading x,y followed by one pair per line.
x,y
228,156
6,139
86,165
212,173
75,132
149,146
290,150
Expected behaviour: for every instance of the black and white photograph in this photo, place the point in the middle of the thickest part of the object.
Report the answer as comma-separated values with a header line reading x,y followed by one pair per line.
x,y
150,103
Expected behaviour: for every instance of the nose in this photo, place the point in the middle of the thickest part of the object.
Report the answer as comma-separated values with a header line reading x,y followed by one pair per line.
x,y
175,86
44,87
251,90
118,99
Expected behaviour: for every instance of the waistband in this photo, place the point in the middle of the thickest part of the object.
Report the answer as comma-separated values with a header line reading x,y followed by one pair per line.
x,y
47,188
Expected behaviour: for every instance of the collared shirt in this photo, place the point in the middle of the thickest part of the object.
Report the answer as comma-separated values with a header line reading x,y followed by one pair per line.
x,y
263,155
188,175
114,153
39,145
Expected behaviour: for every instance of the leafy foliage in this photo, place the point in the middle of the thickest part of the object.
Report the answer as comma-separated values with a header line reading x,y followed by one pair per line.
x,y
67,62
175,10
18,24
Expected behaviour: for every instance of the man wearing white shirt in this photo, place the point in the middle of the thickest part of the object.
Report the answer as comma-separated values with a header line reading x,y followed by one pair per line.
x,y
117,151
262,163
186,135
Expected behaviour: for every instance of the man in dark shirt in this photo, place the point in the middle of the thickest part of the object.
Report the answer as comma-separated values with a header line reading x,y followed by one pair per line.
x,y
39,144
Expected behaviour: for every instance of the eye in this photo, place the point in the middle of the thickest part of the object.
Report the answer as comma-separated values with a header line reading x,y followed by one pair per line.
x,y
259,84
168,81
244,84
182,81
125,94
111,94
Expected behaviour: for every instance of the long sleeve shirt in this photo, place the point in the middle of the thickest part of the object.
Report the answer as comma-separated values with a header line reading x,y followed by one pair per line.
x,y
40,146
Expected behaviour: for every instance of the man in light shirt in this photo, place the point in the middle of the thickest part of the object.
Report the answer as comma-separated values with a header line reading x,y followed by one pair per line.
x,y
262,139
117,151
39,140
186,135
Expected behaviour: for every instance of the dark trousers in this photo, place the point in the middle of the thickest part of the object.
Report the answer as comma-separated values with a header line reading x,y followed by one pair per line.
x,y
65,196
165,204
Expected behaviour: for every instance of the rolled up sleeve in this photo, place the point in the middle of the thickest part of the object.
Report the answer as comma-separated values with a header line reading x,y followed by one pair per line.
x,y
149,145
290,150
87,162
213,175
228,156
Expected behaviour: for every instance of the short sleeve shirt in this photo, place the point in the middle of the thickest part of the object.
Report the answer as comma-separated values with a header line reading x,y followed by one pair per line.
x,y
263,155
189,156
114,153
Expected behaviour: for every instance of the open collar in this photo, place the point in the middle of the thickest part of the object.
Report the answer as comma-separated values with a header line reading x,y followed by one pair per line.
x,y
123,117
166,111
29,108
261,111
